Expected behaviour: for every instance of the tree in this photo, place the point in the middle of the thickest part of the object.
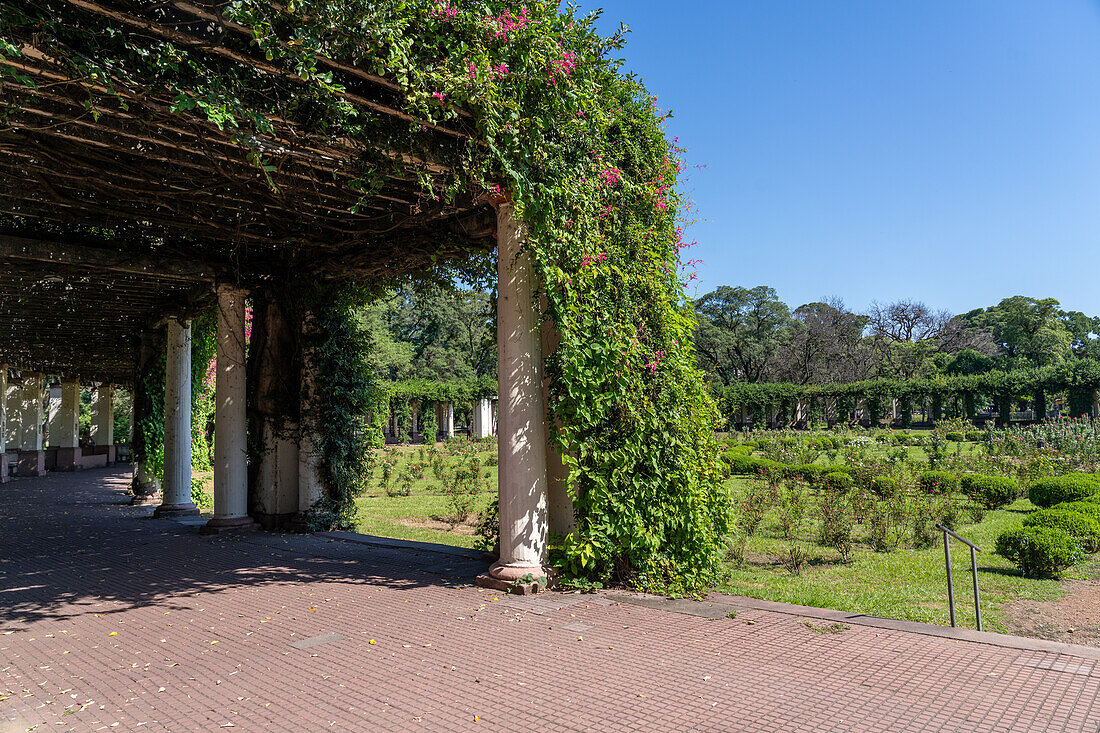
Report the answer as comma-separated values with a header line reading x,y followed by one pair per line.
x,y
741,331
1026,328
905,335
824,344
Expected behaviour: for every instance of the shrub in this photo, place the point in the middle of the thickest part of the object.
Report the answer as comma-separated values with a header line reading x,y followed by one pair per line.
x,y
824,442
992,492
836,523
740,464
1047,492
1082,527
754,505
808,472
923,521
838,481
792,510
1039,551
881,531
733,447
938,482
1090,508
954,436
885,486
975,436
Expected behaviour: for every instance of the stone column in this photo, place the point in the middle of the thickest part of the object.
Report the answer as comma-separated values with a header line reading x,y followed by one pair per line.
x,y
522,448
561,518
103,420
32,459
310,487
68,426
176,492
483,419
230,422
3,423
53,417
446,418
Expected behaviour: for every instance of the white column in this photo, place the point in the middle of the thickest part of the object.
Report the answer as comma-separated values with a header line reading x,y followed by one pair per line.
x,y
3,422
230,424
103,418
65,427
32,459
53,417
30,399
176,492
447,419
483,418
522,422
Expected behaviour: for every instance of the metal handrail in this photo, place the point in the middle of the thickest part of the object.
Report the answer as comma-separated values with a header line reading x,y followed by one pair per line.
x,y
974,550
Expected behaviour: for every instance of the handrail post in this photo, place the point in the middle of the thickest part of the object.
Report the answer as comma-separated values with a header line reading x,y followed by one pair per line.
x,y
950,587
974,570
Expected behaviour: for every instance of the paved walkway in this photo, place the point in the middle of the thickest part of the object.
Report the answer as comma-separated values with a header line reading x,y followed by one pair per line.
x,y
110,620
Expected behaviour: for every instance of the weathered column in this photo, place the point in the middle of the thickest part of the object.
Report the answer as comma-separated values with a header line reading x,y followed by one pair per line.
x,y
103,420
32,459
522,448
310,487
274,385
446,418
176,493
414,419
3,423
68,426
230,422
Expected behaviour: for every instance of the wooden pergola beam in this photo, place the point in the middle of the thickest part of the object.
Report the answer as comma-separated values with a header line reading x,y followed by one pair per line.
x,y
19,248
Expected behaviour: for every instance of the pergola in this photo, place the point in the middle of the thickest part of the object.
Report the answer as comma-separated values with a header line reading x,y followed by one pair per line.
x,y
120,221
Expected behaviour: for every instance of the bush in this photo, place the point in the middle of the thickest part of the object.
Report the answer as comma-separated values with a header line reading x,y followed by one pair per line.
x,y
992,492
954,436
938,482
975,436
903,439
1039,551
1047,492
884,486
824,442
733,447
838,481
1082,527
1090,508
740,464
808,472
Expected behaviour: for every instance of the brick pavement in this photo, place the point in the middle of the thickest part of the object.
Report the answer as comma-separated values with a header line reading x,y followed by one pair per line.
x,y
110,620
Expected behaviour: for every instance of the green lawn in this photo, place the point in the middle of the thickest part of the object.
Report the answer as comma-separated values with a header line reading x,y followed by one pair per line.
x,y
905,583
415,517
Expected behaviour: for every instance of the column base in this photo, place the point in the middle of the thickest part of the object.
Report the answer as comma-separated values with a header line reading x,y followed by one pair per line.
x,y
223,525
144,499
508,578
68,459
187,509
270,522
31,463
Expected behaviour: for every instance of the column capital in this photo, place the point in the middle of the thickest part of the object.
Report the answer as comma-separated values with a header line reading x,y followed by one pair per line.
x,y
230,289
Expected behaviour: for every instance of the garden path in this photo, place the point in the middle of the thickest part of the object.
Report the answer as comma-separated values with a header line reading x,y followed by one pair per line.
x,y
110,620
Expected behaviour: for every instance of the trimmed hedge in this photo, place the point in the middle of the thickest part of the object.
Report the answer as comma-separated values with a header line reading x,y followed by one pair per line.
x,y
885,486
1088,507
740,464
975,436
809,472
993,492
1082,527
1047,492
838,481
938,482
954,436
1039,552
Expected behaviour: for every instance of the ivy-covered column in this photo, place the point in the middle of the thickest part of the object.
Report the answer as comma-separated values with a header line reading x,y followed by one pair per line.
x,y
230,418
3,423
147,441
103,419
68,426
176,496
522,421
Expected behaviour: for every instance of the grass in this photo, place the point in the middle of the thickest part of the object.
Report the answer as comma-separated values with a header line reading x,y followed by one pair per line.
x,y
906,583
417,516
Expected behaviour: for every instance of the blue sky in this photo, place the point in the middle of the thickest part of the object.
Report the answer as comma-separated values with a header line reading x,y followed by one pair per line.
x,y
947,151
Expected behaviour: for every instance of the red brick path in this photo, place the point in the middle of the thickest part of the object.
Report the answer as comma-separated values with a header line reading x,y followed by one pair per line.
x,y
113,621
